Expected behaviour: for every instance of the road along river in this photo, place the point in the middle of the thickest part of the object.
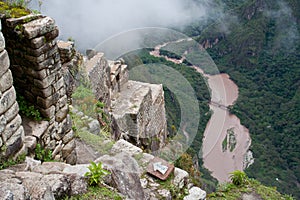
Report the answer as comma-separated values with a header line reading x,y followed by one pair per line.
x,y
226,142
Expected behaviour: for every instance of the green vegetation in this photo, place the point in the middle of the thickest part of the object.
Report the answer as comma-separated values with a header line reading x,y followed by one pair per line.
x,y
97,193
28,109
14,9
185,162
5,163
43,154
263,60
238,178
85,102
176,192
173,109
96,174
242,185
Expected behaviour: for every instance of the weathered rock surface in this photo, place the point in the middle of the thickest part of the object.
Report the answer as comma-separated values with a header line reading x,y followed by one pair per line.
x,y
139,113
51,180
195,193
125,174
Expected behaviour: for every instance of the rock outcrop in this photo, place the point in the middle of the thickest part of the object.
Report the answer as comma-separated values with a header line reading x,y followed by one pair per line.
x,y
126,162
137,109
46,181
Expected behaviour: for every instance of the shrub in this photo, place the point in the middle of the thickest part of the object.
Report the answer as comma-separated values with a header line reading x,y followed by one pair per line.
x,y
238,178
96,173
42,154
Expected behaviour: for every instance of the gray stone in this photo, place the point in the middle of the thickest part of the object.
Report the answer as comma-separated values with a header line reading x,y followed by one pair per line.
x,y
67,125
94,127
38,27
59,184
49,101
51,167
99,75
37,128
46,82
37,42
195,193
11,191
12,127
30,142
57,149
26,175
181,177
4,60
12,112
2,124
39,190
6,81
12,22
72,158
124,146
62,114
80,170
15,142
2,42
78,184
125,174
49,112
139,114
166,194
7,100
68,148
68,137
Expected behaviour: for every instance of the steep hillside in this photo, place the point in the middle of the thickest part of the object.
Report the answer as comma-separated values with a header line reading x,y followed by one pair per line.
x,y
260,51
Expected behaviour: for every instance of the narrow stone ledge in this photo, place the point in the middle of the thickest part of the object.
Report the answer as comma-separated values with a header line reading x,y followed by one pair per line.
x,y
38,27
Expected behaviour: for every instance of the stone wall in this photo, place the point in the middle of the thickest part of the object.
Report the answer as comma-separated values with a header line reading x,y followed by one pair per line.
x,y
11,130
36,68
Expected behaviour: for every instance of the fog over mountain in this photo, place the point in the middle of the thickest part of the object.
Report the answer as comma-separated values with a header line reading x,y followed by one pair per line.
x,y
92,21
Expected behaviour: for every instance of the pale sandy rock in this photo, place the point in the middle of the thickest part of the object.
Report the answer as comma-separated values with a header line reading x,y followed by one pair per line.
x,y
181,177
195,193
80,170
124,146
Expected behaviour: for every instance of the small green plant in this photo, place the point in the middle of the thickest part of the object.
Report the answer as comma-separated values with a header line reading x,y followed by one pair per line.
x,y
238,178
96,174
44,155
27,109
5,163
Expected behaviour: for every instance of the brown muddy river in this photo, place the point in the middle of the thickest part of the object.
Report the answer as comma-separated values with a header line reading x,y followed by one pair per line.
x,y
226,141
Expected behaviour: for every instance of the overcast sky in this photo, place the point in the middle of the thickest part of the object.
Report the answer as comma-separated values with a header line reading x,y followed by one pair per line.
x,y
92,21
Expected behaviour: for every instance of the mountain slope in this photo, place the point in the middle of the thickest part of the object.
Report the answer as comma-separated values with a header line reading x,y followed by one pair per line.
x,y
260,51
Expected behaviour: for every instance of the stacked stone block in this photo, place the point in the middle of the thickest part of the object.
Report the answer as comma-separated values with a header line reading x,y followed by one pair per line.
x,y
11,130
36,68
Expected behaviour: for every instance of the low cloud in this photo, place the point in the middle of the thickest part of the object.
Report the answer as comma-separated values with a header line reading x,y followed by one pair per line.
x,y
90,22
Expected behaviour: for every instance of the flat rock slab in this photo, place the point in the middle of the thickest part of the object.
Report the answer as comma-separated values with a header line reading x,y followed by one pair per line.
x,y
150,168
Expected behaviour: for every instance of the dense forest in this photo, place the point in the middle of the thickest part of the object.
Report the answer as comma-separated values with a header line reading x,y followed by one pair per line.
x,y
260,50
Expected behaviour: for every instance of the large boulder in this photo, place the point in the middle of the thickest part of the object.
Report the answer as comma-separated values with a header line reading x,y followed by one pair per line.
x,y
125,174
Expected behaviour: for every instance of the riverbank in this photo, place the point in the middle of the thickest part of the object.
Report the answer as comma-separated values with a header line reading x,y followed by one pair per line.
x,y
226,142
